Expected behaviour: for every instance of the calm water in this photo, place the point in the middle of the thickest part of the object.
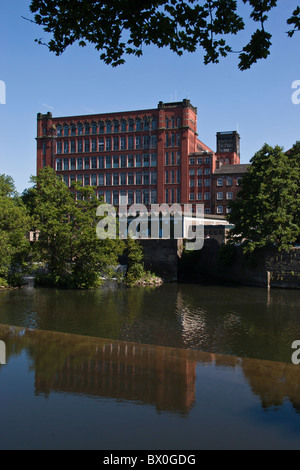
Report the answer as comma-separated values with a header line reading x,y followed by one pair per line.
x,y
178,367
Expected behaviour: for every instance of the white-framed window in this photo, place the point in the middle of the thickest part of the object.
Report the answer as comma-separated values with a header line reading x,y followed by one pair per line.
x,y
219,209
207,171
220,182
229,195
206,196
229,181
220,196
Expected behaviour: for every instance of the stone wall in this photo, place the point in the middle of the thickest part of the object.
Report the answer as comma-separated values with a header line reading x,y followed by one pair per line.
x,y
161,257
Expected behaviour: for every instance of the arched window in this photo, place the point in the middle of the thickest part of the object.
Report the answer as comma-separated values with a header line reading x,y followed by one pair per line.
x,y
108,126
80,129
116,126
87,128
59,131
131,125
101,127
123,125
66,130
94,128
146,124
73,129
154,124
138,124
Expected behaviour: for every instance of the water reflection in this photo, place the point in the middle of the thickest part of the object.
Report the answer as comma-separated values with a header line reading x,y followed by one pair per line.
x,y
246,322
162,377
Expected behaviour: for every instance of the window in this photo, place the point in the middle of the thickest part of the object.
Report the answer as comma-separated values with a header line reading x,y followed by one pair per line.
x,y
229,181
220,182
146,140
130,178
93,180
154,124
123,161
86,145
206,196
199,171
153,177
138,178
146,124
123,143
166,195
79,146
94,128
108,126
58,164
86,180
130,142
116,161
108,179
73,146
66,146
146,159
138,142
123,179
108,144
138,125
178,176
207,171
94,145
138,161
207,160
219,209
153,142
199,161
219,196
73,129
207,182
86,163
130,197
192,183
108,197
79,163
199,183
145,196
131,125
115,198
192,161
116,143
192,172
79,179
101,144
116,126
178,139
44,148
101,127
66,164
229,195
59,131
123,126
66,130
101,162
145,177
130,161
108,161
199,197
73,163
87,129
80,129
166,177
228,210
94,163
153,159
66,179
100,179
138,196
239,181
167,158
116,179
192,196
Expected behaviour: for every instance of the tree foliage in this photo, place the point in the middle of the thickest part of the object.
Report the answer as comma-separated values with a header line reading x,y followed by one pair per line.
x,y
14,229
120,27
266,211
66,222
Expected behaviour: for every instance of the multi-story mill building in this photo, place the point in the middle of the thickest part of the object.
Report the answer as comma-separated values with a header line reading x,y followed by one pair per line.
x,y
148,156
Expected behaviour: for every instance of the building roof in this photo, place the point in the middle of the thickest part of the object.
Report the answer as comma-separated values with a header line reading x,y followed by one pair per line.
x,y
239,168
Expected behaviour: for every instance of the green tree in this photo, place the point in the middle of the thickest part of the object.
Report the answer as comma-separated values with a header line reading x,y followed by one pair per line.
x,y
266,210
67,243
176,24
135,264
14,229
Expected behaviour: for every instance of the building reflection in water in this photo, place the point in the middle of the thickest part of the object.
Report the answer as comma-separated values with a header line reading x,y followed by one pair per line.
x,y
159,376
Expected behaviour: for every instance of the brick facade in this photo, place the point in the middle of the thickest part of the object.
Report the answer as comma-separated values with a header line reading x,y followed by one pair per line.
x,y
148,156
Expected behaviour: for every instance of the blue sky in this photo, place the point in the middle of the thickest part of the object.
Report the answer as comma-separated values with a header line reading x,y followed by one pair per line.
x,y
256,102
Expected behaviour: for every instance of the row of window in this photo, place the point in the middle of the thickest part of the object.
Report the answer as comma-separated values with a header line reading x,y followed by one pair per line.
x,y
193,183
220,210
220,196
106,144
199,196
172,176
199,160
137,196
113,179
199,171
108,126
106,162
229,181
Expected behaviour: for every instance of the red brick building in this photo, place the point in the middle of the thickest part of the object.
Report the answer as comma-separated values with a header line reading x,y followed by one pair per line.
x,y
149,156
226,183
